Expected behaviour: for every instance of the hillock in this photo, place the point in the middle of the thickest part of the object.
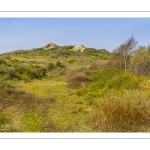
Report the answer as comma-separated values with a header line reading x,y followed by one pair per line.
x,y
71,89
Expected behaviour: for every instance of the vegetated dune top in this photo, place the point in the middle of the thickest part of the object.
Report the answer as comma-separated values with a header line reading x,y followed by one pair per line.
x,y
78,47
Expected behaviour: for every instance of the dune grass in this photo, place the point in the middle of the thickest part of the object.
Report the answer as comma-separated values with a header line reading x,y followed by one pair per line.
x,y
128,113
96,107
65,91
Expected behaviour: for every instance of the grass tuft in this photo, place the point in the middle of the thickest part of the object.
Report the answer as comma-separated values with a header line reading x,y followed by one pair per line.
x,y
121,115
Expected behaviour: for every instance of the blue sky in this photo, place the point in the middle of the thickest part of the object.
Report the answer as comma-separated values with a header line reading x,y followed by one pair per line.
x,y
99,33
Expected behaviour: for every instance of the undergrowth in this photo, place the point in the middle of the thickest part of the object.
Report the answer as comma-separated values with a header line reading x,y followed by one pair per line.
x,y
59,90
121,115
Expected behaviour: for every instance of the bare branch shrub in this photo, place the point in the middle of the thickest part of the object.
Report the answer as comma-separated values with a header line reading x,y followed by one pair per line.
x,y
122,53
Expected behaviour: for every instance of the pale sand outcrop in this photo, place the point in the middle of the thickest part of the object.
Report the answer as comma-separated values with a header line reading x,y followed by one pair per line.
x,y
78,47
50,45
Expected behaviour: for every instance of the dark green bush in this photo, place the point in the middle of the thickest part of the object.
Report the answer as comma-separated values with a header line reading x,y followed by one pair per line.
x,y
20,69
67,47
12,74
24,73
59,64
50,67
2,61
40,72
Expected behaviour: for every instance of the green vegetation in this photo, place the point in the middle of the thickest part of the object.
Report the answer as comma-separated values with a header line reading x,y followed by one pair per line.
x,y
61,90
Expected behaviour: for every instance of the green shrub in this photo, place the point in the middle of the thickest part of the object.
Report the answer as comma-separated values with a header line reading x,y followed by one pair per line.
x,y
41,72
140,62
81,92
4,122
96,86
59,64
71,60
125,81
114,79
67,47
32,74
105,74
12,74
50,67
13,61
2,70
2,61
100,78
24,73
20,69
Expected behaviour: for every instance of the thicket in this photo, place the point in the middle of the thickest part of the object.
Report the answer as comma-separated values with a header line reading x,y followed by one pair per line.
x,y
12,69
118,110
123,53
128,57
140,61
52,66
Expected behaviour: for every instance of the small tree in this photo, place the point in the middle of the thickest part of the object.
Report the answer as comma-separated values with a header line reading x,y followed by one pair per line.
x,y
140,61
122,53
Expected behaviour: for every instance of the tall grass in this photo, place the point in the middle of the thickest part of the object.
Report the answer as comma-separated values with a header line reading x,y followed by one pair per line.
x,y
121,115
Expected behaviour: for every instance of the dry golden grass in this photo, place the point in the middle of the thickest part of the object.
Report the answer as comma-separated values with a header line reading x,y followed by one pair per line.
x,y
121,115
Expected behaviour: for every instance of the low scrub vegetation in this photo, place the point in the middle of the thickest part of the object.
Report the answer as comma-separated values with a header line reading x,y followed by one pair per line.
x,y
76,80
60,90
71,60
121,115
